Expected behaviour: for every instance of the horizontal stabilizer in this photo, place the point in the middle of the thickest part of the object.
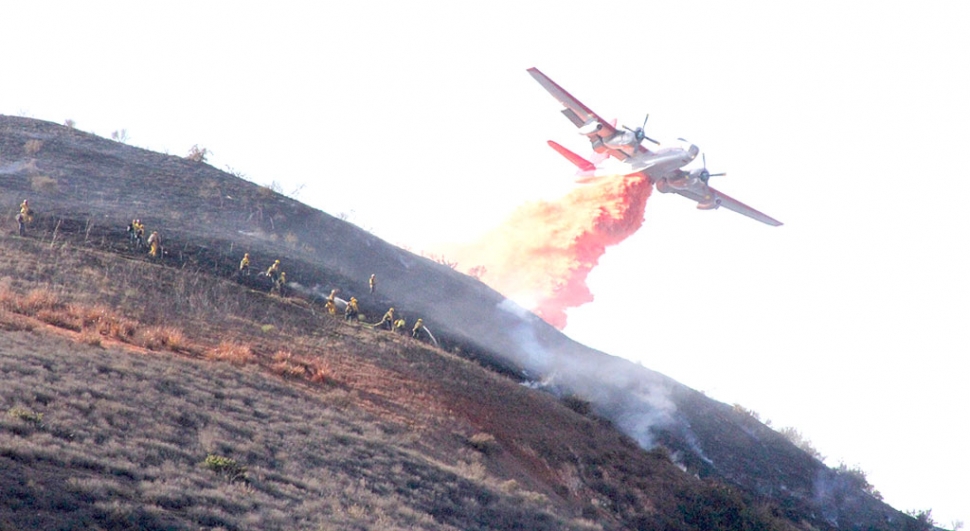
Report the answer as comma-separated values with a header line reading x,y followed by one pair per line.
x,y
581,163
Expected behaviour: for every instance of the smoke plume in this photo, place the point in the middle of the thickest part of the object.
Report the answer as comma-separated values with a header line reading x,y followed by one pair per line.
x,y
540,257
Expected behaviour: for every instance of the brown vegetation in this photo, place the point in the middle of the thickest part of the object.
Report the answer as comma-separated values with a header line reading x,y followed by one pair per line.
x,y
142,370
382,383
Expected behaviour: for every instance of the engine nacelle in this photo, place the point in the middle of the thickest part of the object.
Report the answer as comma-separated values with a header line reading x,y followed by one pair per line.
x,y
664,187
712,204
590,127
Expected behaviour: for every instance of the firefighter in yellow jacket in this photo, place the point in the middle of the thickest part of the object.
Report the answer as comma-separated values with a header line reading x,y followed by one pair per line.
x,y
154,244
244,265
400,325
280,284
388,319
27,212
274,271
418,327
351,311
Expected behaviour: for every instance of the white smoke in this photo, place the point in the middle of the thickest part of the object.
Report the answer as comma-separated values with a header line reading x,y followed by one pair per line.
x,y
635,399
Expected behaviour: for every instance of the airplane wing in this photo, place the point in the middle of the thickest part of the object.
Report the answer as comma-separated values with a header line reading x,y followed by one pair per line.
x,y
589,123
718,199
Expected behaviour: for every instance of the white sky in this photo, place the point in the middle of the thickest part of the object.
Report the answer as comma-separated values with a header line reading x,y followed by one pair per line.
x,y
846,120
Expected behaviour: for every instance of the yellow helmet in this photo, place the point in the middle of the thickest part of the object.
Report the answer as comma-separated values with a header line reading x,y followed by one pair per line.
x,y
277,261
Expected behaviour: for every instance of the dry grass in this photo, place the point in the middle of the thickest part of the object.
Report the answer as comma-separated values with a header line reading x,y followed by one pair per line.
x,y
397,382
91,337
231,352
35,300
158,337
32,147
43,183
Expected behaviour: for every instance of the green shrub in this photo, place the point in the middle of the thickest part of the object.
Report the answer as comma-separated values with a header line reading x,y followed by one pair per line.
x,y
26,415
225,466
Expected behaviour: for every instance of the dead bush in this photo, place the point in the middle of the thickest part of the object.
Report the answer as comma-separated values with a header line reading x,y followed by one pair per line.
x,y
197,154
118,327
287,365
484,443
152,338
43,183
232,352
13,322
321,372
36,300
93,316
60,317
164,337
90,337
32,147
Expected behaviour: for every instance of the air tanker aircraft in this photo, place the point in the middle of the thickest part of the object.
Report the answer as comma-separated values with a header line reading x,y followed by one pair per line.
x,y
662,167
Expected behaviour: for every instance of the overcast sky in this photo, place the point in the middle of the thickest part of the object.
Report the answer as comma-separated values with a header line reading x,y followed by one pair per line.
x,y
845,120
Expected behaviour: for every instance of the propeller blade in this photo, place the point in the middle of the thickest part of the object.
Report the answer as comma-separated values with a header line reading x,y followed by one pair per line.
x,y
722,174
645,137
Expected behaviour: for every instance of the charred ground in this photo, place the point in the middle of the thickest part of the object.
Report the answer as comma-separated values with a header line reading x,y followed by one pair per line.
x,y
340,425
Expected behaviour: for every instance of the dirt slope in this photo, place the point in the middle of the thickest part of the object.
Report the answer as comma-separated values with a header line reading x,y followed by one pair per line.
x,y
86,188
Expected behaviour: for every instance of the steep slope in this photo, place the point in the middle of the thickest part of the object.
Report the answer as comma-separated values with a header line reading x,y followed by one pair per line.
x,y
144,396
90,187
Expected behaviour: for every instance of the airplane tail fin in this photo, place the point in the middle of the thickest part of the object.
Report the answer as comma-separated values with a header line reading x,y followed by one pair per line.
x,y
585,166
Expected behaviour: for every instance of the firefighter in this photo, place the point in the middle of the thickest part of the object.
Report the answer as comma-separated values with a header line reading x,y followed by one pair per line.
x,y
281,283
373,282
400,325
139,233
388,318
351,311
244,265
154,244
131,232
27,212
21,224
331,307
418,327
274,271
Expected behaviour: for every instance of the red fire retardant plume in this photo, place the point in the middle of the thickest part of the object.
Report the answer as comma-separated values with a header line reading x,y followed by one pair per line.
x,y
540,257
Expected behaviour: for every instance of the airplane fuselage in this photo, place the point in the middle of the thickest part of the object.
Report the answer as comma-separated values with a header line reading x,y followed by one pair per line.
x,y
664,167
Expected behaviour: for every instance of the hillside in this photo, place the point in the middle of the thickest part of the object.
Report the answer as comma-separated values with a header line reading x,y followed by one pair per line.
x,y
143,368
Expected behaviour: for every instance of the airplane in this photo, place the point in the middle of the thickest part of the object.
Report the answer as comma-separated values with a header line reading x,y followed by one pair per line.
x,y
662,166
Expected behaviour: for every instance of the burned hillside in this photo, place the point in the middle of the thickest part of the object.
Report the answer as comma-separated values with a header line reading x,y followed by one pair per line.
x,y
85,189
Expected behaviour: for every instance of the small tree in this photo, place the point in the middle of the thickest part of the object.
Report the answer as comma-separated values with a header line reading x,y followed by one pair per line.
x,y
477,272
121,135
69,123
802,442
197,154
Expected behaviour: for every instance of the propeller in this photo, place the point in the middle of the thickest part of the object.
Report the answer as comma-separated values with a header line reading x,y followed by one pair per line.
x,y
639,134
705,175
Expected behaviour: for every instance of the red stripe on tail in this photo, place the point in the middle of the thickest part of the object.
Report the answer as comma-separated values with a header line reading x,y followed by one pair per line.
x,y
580,162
